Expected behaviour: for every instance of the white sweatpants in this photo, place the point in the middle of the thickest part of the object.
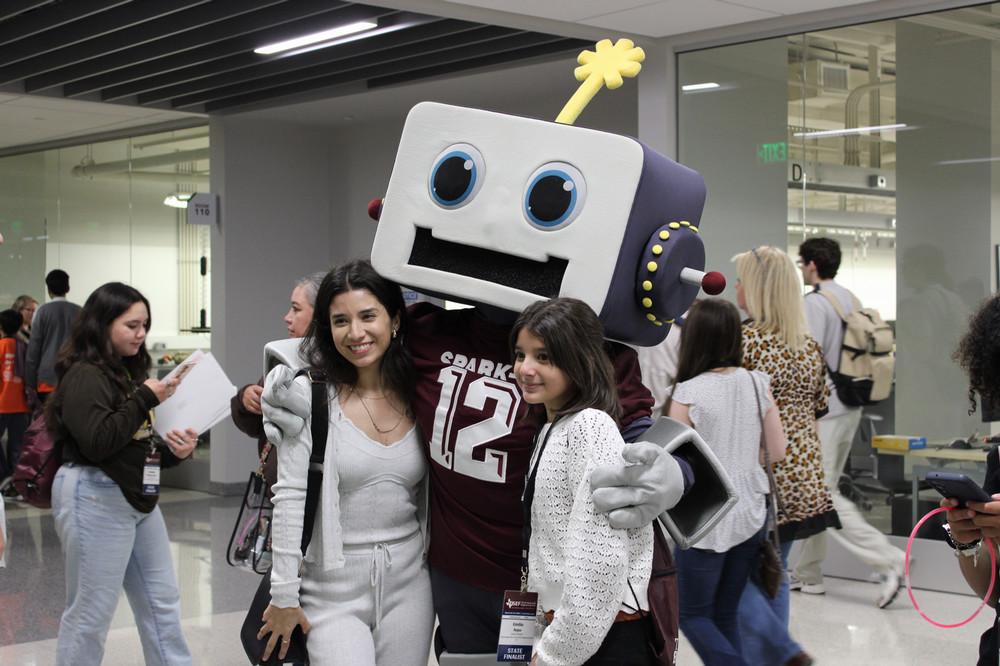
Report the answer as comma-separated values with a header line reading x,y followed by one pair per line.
x,y
856,535
376,610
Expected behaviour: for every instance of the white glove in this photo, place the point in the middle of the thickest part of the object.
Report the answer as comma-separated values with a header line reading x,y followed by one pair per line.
x,y
285,403
634,495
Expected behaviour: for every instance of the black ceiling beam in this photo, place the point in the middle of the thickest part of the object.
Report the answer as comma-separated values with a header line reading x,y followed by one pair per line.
x,y
32,23
517,43
560,45
348,67
105,23
11,8
248,67
117,50
189,50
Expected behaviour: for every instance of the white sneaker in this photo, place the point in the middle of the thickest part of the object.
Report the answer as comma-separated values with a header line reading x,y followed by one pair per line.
x,y
891,583
807,588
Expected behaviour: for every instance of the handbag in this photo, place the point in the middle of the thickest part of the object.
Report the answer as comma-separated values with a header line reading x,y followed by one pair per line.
x,y
253,646
41,457
662,620
250,543
770,568
663,617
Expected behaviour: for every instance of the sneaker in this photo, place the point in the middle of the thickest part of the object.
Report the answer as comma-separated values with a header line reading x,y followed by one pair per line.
x,y
891,583
801,659
807,588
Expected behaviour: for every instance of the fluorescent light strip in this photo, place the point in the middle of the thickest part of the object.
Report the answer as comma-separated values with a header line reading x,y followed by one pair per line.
x,y
853,130
177,200
349,38
699,86
314,38
975,160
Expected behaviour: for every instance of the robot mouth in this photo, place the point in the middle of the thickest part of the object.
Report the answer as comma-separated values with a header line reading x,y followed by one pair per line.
x,y
535,277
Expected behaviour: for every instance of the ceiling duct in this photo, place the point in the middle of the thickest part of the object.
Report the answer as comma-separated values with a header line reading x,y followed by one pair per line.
x,y
133,165
823,78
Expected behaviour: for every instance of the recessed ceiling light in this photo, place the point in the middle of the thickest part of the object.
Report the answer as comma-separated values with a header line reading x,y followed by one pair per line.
x,y
853,130
316,37
699,86
177,200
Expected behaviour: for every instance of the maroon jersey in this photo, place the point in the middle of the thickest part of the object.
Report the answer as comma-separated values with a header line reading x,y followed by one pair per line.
x,y
479,443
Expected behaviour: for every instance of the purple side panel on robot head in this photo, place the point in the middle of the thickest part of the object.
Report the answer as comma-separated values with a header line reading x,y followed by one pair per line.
x,y
661,239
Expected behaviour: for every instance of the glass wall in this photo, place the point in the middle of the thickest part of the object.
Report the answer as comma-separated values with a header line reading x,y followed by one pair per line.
x,y
101,212
882,137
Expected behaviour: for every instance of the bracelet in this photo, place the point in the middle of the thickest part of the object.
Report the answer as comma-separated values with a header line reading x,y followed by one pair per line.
x,y
970,549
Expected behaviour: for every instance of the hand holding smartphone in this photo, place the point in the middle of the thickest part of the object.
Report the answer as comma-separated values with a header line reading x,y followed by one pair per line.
x,y
958,486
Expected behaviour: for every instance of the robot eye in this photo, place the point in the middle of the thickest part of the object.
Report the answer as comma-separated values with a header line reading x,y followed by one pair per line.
x,y
555,196
457,176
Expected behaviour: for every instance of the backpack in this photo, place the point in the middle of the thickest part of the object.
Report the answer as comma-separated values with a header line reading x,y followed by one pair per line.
x,y
867,364
41,457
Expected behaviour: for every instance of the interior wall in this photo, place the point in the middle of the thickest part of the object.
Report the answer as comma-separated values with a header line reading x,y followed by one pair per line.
x,y
276,225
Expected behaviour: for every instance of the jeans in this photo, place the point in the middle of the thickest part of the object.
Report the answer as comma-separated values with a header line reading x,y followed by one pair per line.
x,y
110,545
709,588
14,424
764,621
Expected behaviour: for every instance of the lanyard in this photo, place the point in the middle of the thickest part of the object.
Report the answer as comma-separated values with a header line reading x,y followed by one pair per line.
x,y
527,498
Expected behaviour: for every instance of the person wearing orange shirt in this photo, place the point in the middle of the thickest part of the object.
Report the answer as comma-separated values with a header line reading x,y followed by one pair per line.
x,y
13,404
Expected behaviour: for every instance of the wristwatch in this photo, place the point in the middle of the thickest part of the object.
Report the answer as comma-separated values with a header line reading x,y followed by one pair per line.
x,y
970,549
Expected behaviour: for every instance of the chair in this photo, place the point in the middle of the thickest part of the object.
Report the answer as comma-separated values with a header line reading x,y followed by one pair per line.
x,y
883,477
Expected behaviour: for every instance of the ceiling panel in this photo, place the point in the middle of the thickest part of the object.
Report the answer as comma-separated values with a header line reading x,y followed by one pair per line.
x,y
197,55
166,59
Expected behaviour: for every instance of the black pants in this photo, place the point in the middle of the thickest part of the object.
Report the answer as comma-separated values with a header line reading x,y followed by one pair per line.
x,y
469,620
625,645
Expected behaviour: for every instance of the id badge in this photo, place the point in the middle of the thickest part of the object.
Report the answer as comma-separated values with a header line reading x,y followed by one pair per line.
x,y
517,626
151,474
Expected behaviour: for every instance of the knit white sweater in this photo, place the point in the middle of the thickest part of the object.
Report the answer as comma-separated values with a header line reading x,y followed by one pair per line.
x,y
579,565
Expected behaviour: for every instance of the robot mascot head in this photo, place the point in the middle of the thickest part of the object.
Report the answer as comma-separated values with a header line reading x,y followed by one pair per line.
x,y
503,210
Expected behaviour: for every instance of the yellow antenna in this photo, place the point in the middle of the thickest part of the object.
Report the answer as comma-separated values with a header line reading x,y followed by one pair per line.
x,y
606,66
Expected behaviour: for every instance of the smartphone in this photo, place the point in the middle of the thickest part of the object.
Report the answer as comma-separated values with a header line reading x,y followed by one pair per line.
x,y
958,486
184,368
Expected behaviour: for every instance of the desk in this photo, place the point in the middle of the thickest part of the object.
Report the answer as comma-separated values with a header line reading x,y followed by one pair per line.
x,y
938,454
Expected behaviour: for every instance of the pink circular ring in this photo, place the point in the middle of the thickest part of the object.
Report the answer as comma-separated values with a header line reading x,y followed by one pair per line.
x,y
993,575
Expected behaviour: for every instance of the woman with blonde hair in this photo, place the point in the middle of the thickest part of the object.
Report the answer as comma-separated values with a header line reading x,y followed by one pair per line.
x,y
776,341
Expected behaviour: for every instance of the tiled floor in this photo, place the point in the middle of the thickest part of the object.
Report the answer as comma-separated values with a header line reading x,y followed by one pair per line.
x,y
842,627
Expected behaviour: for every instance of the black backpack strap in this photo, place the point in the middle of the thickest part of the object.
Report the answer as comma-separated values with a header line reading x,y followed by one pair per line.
x,y
320,427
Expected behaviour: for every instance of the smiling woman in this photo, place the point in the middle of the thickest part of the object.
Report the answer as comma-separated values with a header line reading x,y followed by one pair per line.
x,y
372,506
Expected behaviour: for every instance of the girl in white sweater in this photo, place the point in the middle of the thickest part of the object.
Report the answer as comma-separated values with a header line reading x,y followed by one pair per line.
x,y
589,577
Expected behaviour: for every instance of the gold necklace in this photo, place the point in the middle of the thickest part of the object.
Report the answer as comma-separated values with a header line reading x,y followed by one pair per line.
x,y
375,425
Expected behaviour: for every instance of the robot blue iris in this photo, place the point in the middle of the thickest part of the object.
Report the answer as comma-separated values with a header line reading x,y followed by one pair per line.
x,y
505,210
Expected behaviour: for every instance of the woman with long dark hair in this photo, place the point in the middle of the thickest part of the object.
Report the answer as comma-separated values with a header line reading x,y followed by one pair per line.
x,y
104,497
731,408
364,594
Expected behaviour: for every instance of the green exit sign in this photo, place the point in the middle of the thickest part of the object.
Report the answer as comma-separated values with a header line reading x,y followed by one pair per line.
x,y
770,153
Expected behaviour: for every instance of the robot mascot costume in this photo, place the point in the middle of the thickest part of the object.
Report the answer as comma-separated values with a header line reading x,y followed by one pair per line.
x,y
499,211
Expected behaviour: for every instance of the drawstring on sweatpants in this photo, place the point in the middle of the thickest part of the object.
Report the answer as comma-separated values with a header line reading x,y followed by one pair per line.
x,y
381,562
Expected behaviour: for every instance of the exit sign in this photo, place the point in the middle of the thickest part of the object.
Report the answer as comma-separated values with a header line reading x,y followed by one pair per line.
x,y
771,153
